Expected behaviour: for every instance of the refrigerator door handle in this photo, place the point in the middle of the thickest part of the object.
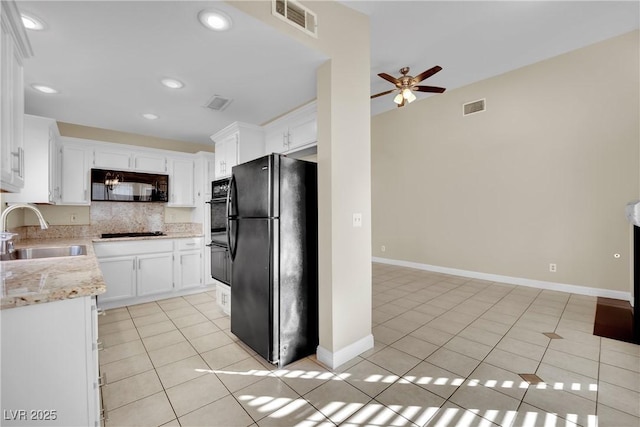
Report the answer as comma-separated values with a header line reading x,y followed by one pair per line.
x,y
230,200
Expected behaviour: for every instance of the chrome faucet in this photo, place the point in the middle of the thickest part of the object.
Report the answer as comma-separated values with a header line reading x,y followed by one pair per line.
x,y
7,243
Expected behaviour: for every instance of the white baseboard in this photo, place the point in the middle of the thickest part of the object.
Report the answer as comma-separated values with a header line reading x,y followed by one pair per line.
x,y
540,284
333,360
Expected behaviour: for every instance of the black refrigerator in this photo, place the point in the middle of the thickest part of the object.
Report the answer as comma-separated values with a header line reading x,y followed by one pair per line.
x,y
273,239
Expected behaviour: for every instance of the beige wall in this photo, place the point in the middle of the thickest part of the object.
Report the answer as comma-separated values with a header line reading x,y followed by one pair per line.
x,y
542,176
107,135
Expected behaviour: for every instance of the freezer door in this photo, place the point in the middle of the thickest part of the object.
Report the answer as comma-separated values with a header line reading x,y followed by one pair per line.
x,y
252,185
254,318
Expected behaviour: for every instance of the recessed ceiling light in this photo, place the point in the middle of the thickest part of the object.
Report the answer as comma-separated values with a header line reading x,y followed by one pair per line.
x,y
31,22
150,116
43,88
215,19
172,83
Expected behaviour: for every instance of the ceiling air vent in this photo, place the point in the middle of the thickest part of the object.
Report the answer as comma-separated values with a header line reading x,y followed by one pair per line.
x,y
296,14
218,103
473,107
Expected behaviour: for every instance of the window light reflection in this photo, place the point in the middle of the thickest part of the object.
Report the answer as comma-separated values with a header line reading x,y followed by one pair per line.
x,y
380,415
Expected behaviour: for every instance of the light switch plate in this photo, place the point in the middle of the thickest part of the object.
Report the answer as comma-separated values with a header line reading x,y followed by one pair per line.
x,y
357,220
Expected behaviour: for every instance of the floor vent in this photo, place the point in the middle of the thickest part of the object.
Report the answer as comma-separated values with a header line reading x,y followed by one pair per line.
x,y
473,107
297,15
218,103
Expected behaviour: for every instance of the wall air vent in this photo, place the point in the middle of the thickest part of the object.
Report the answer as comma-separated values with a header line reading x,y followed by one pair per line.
x,y
474,107
297,15
218,103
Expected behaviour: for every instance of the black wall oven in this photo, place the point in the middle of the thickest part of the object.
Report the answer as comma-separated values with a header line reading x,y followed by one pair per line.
x,y
220,259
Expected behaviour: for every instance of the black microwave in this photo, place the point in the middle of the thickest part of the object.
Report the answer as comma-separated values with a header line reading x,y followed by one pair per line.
x,y
123,186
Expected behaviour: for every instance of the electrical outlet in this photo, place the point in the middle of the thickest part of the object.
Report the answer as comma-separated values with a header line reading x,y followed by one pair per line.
x,y
383,248
73,218
357,220
552,268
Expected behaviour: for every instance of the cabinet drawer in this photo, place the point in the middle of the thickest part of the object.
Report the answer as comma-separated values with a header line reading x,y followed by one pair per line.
x,y
108,249
189,244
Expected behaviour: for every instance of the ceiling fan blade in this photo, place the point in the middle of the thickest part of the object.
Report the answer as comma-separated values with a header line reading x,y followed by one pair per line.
x,y
389,78
434,89
425,74
382,93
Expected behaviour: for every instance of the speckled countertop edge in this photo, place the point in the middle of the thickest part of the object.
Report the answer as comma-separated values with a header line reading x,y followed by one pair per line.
x,y
37,281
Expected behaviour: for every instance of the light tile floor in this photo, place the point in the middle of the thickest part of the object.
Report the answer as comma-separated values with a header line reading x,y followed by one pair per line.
x,y
448,351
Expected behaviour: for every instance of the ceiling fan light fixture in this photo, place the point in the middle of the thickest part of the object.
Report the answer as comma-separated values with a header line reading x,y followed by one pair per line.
x,y
410,97
214,19
398,99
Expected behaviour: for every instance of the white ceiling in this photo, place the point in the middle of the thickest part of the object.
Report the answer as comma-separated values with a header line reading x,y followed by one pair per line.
x,y
107,57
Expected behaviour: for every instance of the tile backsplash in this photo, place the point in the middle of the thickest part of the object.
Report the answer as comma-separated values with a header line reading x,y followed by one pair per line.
x,y
114,217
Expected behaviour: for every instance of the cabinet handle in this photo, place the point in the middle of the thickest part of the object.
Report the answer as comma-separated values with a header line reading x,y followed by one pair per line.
x,y
134,263
21,151
19,155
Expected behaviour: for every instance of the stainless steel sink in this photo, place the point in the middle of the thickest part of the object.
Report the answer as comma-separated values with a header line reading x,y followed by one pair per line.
x,y
38,252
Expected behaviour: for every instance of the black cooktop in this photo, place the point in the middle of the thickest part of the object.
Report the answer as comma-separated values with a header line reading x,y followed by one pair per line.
x,y
133,234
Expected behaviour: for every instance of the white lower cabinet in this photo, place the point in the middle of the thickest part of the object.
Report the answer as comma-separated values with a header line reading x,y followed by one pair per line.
x,y
155,273
144,270
189,263
120,274
50,365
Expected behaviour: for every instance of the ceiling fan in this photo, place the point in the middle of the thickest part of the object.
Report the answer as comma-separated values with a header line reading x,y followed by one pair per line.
x,y
405,85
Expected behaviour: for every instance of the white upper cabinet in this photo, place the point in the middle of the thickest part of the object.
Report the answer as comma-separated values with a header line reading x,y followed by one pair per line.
x,y
235,144
292,132
78,156
112,156
41,183
149,162
14,47
226,155
182,182
75,167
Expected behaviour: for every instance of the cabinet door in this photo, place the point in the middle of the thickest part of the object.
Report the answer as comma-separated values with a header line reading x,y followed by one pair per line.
x,y
39,142
303,132
108,158
11,114
226,155
119,275
190,265
182,183
276,140
231,153
150,163
155,273
74,175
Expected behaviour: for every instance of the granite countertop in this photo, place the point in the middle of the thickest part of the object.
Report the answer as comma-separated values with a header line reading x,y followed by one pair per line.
x,y
35,281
